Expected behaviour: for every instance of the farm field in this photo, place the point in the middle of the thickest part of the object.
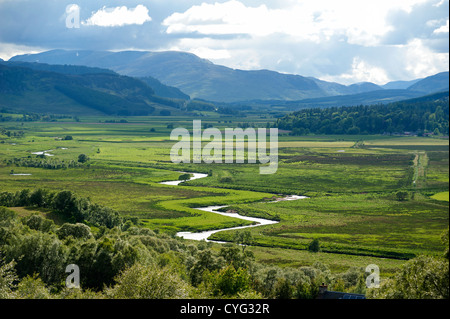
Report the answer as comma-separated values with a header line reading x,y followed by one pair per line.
x,y
352,183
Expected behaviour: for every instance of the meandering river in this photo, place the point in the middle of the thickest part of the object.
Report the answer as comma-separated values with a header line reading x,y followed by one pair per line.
x,y
215,209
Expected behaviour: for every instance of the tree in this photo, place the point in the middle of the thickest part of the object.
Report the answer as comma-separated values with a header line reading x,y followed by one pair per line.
x,y
83,158
233,256
283,289
230,281
444,238
303,289
32,287
314,246
8,277
38,252
184,177
243,238
205,263
423,277
148,282
37,222
38,198
401,196
65,202
77,230
269,282
226,179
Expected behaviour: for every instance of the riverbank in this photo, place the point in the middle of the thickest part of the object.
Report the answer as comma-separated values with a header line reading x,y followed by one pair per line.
x,y
216,210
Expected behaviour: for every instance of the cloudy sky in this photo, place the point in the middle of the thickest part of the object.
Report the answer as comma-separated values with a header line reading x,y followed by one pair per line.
x,y
346,41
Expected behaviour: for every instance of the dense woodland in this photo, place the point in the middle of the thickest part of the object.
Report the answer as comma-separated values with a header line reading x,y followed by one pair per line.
x,y
419,116
115,253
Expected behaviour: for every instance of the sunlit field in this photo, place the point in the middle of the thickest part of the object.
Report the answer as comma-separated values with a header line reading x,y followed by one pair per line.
x,y
351,183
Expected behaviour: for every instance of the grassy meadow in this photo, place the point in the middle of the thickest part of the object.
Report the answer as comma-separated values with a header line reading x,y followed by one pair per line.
x,y
351,182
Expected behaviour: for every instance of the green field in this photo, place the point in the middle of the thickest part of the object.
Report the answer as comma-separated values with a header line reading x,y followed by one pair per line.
x,y
441,196
353,208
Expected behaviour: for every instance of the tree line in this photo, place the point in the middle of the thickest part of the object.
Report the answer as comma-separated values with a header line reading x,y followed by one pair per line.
x,y
31,117
41,161
70,206
419,116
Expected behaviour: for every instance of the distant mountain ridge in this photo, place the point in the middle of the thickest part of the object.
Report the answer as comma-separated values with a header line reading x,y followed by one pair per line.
x,y
188,76
200,78
434,83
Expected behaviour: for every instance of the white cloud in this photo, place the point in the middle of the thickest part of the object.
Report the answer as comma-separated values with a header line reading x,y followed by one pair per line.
x,y
420,61
346,41
440,3
361,22
235,54
343,41
361,71
8,50
119,16
398,62
442,29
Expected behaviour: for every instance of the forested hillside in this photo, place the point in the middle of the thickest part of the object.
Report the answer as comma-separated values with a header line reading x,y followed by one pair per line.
x,y
62,89
420,115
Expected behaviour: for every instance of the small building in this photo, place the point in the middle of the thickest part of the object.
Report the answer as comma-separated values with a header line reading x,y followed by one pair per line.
x,y
324,293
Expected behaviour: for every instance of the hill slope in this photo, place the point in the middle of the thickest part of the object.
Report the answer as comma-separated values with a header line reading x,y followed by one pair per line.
x,y
434,83
76,91
197,77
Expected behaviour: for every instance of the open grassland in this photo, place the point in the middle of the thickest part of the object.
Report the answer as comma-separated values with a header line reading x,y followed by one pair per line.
x,y
352,183
363,224
311,171
336,262
441,196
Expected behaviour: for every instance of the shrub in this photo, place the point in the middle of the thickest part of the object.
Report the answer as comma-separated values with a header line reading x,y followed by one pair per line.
x,y
422,277
226,179
229,281
141,282
401,196
77,230
83,158
184,177
314,246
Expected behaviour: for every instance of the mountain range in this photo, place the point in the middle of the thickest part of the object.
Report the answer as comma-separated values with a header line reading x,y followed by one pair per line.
x,y
200,78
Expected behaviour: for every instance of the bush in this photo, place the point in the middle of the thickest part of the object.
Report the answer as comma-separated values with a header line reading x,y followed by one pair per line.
x,y
229,281
6,214
283,290
83,158
314,246
77,230
140,282
401,196
184,177
226,179
422,277
37,222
